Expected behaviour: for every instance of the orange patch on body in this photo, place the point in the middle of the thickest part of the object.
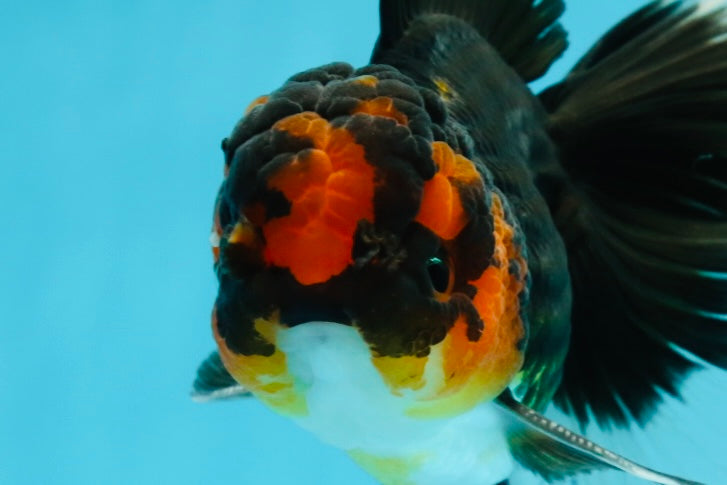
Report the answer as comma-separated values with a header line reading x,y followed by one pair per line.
x,y
479,370
256,102
441,208
381,106
463,371
494,356
366,80
330,188
266,377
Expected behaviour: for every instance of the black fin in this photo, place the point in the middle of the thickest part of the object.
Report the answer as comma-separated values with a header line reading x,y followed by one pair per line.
x,y
555,452
641,124
213,382
524,32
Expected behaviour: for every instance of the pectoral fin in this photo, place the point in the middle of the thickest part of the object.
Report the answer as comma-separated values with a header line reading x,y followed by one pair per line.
x,y
546,447
213,382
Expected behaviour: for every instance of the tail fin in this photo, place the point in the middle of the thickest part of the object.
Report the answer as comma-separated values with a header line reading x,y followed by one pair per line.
x,y
641,124
524,32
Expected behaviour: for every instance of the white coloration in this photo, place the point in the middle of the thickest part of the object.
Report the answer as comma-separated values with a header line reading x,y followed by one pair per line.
x,y
215,239
351,407
706,7
717,9
219,394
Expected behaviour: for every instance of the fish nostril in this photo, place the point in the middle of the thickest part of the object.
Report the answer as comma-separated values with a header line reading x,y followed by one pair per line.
x,y
374,245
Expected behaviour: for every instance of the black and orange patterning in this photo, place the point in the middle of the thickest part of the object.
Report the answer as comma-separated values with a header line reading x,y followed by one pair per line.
x,y
467,247
340,187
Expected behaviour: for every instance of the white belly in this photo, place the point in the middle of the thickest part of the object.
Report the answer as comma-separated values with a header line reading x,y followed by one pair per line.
x,y
351,407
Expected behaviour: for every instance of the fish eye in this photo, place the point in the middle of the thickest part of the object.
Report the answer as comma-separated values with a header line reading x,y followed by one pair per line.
x,y
438,270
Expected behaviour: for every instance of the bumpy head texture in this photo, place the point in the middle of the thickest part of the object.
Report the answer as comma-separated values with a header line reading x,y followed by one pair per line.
x,y
350,198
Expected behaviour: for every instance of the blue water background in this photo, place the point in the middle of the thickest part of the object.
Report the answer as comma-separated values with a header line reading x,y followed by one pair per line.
x,y
111,116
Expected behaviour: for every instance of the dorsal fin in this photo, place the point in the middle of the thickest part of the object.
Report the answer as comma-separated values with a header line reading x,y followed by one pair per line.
x,y
524,32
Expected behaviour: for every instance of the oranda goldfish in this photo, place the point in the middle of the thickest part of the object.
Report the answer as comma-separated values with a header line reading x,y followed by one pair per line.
x,y
417,256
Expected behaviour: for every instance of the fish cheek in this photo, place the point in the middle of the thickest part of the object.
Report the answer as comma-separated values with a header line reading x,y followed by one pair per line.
x,y
486,360
265,373
454,207
480,353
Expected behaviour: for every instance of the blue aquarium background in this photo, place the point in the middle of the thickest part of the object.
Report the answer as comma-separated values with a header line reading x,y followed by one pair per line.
x,y
111,116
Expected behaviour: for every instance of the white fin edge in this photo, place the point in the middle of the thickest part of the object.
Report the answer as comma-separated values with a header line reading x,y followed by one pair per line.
x,y
564,436
220,394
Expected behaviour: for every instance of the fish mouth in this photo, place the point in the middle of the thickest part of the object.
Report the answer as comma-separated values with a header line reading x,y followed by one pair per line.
x,y
319,334
314,333
325,352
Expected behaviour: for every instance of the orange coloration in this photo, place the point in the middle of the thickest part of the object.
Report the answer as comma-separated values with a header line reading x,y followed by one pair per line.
x,y
305,125
401,372
265,376
441,208
381,106
330,188
462,356
497,302
255,213
257,102
244,233
477,370
311,169
366,80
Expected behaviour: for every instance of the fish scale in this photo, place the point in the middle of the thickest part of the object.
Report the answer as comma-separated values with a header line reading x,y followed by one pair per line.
x,y
417,256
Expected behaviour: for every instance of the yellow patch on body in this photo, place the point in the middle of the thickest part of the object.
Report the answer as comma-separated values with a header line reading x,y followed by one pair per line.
x,y
256,102
366,80
389,469
444,88
479,370
401,373
460,372
244,233
265,376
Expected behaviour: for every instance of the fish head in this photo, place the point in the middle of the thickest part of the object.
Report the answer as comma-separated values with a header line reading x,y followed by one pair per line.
x,y
349,198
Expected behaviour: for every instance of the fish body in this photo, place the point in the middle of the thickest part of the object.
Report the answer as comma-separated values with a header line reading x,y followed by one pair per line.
x,y
417,256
